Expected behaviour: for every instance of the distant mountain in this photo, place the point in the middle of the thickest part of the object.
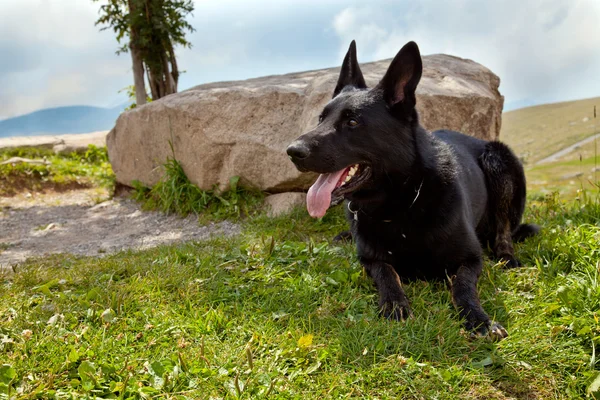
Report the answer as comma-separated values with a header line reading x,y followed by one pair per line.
x,y
72,119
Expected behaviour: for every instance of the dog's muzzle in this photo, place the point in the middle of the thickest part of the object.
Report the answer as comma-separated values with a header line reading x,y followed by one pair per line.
x,y
297,151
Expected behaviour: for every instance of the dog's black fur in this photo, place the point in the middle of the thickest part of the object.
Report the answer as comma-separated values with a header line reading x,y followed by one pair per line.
x,y
425,203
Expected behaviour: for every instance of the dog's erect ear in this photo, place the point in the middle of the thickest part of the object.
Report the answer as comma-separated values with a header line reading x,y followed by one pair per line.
x,y
402,77
350,73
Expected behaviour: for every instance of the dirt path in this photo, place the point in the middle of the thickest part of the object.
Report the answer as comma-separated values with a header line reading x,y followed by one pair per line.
x,y
70,223
559,154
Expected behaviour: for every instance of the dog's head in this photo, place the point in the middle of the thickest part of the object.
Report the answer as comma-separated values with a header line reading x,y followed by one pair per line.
x,y
362,134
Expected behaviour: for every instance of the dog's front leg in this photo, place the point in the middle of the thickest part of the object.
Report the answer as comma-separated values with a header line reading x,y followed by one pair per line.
x,y
466,300
393,303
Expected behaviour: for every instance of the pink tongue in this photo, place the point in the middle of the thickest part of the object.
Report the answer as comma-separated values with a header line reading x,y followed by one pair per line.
x,y
318,198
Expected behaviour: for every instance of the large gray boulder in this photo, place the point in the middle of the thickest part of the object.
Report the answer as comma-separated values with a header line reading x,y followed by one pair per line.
x,y
242,128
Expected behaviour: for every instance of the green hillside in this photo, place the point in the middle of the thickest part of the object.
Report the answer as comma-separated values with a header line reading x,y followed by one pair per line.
x,y
539,131
535,133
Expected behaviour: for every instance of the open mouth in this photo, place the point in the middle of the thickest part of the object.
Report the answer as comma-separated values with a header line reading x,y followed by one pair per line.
x,y
329,189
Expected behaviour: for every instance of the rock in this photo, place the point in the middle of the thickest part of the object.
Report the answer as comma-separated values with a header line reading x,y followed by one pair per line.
x,y
571,176
79,143
59,143
283,203
18,160
242,128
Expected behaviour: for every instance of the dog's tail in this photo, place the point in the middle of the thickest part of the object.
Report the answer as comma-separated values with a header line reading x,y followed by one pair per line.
x,y
525,231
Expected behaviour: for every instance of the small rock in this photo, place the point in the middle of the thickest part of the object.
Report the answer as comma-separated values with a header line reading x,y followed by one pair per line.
x,y
50,226
571,176
18,160
284,203
54,319
102,205
135,214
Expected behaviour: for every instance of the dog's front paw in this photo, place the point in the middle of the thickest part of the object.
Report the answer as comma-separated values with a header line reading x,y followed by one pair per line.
x,y
398,310
490,330
343,237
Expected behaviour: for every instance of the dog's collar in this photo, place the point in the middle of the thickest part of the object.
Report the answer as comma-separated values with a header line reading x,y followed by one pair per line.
x,y
355,212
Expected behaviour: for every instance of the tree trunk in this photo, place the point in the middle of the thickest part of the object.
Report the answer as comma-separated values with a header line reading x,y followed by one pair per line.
x,y
167,78
174,67
137,63
153,86
138,75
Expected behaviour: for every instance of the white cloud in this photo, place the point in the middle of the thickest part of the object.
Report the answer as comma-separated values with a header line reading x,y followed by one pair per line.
x,y
56,56
542,50
52,54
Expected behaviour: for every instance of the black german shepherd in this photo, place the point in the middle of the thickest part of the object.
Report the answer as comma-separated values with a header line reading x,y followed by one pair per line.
x,y
421,205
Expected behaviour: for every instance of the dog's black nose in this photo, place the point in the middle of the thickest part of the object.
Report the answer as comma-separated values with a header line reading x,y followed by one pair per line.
x,y
298,150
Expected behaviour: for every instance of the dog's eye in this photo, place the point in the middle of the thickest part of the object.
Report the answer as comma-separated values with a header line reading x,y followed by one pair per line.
x,y
352,122
320,118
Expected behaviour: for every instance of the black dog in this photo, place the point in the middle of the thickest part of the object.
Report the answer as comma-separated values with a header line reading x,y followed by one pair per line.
x,y
421,205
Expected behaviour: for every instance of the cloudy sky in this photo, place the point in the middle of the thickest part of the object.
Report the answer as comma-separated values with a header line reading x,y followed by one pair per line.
x,y
51,54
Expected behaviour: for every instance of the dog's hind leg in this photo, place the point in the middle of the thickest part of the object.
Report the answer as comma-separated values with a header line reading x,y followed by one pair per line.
x,y
525,231
505,181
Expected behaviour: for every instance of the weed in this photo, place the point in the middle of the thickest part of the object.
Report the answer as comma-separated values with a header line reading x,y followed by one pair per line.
x,y
3,247
175,193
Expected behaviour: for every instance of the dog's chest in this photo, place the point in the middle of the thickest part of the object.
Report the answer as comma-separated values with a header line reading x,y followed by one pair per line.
x,y
409,249
386,239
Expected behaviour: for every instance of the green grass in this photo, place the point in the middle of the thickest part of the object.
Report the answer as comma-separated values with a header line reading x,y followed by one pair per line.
x,y
569,177
90,169
280,312
175,193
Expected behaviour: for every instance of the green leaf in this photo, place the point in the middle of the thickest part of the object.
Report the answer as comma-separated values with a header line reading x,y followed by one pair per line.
x,y
594,388
108,315
86,372
93,294
73,356
156,368
331,281
486,362
7,374
446,375
586,330
339,276
313,368
233,182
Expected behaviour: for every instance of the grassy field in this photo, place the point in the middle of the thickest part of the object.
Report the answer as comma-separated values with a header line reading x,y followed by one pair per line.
x,y
281,312
60,173
566,177
539,131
